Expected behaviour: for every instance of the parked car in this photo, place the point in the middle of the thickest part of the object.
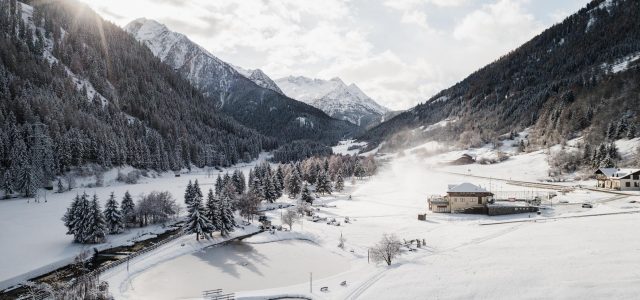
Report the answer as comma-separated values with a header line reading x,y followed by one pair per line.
x,y
587,205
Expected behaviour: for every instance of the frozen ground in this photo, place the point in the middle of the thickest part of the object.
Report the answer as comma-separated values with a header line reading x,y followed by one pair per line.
x,y
549,258
542,257
33,235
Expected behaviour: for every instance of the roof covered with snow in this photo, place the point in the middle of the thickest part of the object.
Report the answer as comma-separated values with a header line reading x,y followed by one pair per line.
x,y
616,172
465,188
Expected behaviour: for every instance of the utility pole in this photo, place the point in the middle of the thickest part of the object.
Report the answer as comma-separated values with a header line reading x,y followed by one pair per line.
x,y
310,282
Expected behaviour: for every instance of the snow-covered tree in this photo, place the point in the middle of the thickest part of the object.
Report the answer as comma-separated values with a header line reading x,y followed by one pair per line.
x,y
631,133
128,209
219,186
95,227
212,209
227,221
189,194
339,182
306,195
386,250
270,193
323,185
113,216
197,221
72,216
239,182
293,183
60,186
289,217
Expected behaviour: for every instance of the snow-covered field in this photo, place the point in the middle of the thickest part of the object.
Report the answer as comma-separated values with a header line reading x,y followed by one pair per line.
x,y
584,254
548,258
33,235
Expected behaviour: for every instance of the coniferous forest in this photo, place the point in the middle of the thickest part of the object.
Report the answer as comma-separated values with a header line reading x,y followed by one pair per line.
x,y
77,90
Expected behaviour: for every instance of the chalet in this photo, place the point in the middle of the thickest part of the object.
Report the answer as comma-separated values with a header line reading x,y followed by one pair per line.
x,y
618,179
464,197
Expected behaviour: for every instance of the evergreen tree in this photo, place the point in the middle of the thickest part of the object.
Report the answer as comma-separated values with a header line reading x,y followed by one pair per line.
x,y
189,194
212,210
7,184
239,182
219,185
227,221
631,133
113,216
270,193
294,184
621,129
358,170
339,183
72,216
306,195
128,208
60,186
611,131
323,185
197,221
95,227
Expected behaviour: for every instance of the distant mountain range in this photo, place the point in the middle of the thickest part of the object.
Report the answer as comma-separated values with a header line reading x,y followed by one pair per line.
x,y
249,96
347,102
580,77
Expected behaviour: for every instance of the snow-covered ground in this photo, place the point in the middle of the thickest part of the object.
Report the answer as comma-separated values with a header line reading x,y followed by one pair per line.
x,y
33,235
553,255
591,256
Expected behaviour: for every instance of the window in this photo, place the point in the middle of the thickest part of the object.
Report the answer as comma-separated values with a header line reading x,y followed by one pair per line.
x,y
479,200
636,176
627,184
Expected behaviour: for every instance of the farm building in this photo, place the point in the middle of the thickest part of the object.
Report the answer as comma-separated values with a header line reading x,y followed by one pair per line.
x,y
618,179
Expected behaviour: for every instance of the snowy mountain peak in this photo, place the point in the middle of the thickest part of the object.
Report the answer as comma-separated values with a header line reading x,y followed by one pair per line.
x,y
259,78
347,102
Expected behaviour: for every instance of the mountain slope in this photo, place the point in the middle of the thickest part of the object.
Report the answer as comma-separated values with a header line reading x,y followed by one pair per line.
x,y
575,78
264,109
335,98
76,91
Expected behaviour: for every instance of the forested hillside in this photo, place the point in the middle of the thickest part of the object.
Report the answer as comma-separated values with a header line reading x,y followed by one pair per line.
x,y
76,90
579,77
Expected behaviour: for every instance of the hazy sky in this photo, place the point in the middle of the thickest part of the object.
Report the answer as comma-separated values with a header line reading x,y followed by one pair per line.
x,y
400,52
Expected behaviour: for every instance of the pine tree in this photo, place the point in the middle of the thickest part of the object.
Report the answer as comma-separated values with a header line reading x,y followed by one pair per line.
x,y
7,184
239,182
270,193
611,131
189,194
227,220
113,216
212,210
358,170
631,133
60,186
71,216
294,184
339,182
96,226
197,221
219,186
306,195
323,185
128,208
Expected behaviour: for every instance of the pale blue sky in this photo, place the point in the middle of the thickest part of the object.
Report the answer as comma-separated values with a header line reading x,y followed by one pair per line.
x,y
400,52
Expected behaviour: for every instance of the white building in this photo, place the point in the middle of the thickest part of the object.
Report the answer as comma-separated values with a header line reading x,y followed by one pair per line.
x,y
618,179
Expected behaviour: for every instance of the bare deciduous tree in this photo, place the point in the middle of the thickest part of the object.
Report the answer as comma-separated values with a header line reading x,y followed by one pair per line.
x,y
387,249
289,217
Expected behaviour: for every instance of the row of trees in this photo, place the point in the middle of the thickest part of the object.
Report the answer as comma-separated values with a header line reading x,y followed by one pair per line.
x,y
88,223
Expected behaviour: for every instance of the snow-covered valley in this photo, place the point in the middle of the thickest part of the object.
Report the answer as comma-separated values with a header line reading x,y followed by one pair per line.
x,y
565,248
